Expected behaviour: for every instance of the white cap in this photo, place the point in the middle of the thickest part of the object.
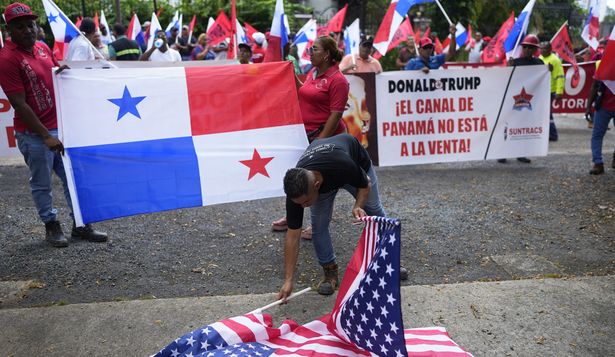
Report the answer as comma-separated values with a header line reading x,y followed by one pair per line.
x,y
259,37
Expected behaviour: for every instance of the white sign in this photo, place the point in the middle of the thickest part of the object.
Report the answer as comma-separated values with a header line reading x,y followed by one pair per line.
x,y
8,145
462,114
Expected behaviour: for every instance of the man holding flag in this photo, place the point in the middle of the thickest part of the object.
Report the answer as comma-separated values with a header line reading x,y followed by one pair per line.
x,y
426,60
362,63
26,78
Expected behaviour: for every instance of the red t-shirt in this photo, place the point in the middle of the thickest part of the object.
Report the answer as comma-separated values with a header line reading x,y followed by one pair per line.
x,y
30,73
320,96
258,54
608,100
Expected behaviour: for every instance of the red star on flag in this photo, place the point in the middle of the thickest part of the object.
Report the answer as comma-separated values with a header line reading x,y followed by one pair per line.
x,y
257,164
523,97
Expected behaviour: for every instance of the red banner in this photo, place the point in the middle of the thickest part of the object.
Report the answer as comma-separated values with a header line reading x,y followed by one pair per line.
x,y
220,30
575,91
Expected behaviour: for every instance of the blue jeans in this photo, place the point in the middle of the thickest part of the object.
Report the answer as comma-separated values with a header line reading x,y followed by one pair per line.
x,y
602,118
42,162
322,211
552,129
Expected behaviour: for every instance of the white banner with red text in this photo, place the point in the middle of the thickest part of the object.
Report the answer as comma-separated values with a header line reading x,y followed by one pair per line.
x,y
8,145
462,115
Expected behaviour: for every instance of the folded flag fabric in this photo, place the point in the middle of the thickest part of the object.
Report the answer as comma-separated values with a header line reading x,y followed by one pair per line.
x,y
208,135
64,31
366,319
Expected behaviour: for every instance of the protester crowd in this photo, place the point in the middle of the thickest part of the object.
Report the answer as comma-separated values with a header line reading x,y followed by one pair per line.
x,y
322,93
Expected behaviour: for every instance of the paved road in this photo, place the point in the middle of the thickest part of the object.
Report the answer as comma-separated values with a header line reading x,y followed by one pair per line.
x,y
461,223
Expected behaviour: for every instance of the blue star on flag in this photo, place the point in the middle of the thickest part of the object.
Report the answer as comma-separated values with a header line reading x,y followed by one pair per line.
x,y
51,17
127,104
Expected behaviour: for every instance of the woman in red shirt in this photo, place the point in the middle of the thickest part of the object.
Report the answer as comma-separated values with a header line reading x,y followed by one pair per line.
x,y
322,100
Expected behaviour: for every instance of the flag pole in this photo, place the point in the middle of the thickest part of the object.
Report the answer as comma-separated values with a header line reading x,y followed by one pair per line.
x,y
444,12
70,23
279,302
560,30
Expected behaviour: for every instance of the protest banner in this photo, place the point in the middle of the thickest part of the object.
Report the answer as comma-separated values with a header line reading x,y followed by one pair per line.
x,y
8,146
360,114
576,91
462,115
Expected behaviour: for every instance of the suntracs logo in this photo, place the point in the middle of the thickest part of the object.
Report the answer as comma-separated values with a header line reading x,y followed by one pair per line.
x,y
523,100
524,133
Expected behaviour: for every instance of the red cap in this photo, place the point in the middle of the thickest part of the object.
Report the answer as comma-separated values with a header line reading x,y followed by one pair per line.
x,y
487,39
530,40
426,41
16,10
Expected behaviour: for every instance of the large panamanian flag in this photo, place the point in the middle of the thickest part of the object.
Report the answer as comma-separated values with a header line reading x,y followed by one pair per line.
x,y
156,139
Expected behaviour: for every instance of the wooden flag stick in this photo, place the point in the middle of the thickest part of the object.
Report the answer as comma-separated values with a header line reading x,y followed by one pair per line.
x,y
276,303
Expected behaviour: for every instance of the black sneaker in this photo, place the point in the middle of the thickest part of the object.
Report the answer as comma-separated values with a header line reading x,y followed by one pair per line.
x,y
88,233
524,160
502,161
613,163
54,234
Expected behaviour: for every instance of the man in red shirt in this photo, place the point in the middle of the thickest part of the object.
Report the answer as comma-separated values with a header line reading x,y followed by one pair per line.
x,y
26,78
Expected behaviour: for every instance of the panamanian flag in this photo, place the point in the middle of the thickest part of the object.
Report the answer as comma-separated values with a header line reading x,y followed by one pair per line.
x,y
64,31
156,139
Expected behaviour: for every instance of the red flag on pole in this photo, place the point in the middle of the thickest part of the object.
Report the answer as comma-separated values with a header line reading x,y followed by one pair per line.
x,y
96,21
337,21
403,32
561,44
220,30
494,52
439,48
427,32
417,35
232,47
191,27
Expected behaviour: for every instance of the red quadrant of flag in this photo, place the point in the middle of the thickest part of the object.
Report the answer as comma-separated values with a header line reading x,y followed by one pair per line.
x,y
235,98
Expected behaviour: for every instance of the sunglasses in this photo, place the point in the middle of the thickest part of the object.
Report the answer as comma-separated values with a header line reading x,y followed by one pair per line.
x,y
427,47
527,46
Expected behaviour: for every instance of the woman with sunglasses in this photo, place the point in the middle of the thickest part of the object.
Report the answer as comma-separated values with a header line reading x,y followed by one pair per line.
x,y
322,100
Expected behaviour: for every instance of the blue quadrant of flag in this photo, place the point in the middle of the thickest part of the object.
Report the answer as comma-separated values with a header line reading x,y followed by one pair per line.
x,y
131,178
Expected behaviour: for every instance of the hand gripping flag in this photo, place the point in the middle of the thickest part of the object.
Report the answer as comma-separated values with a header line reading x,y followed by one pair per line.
x,y
606,70
518,31
278,36
392,19
591,28
147,147
63,29
366,319
494,51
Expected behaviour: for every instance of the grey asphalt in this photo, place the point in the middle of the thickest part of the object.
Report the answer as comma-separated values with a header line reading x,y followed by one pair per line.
x,y
527,272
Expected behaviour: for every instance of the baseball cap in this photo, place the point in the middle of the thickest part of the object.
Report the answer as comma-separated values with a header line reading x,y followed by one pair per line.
x,y
185,27
245,45
426,41
16,10
367,43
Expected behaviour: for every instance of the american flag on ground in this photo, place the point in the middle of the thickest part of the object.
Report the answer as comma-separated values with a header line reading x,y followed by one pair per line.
x,y
366,319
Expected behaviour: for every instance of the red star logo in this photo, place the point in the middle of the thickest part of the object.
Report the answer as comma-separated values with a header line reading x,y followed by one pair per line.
x,y
523,97
257,164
